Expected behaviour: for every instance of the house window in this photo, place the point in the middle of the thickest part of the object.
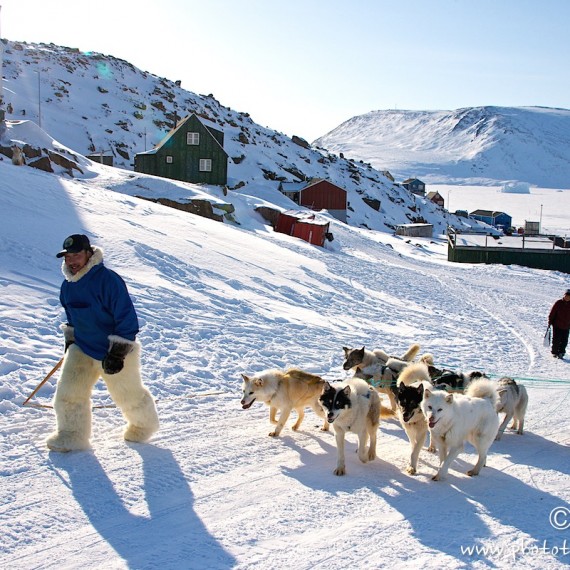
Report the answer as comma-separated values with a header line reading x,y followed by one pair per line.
x,y
169,159
205,165
193,138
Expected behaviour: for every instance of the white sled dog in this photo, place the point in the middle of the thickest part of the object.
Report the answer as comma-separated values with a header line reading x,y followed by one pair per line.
x,y
513,401
412,382
378,368
284,390
352,406
456,418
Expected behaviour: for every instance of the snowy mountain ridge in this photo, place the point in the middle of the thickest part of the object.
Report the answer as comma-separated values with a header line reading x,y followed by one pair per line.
x,y
465,146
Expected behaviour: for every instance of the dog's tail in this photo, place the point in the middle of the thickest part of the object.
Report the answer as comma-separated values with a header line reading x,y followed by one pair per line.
x,y
302,376
414,372
427,358
386,412
483,388
411,353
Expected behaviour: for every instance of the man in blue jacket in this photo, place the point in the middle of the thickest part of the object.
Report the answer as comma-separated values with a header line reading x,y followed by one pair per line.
x,y
100,341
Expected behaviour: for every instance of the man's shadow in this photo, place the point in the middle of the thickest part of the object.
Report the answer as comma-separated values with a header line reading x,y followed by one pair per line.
x,y
171,535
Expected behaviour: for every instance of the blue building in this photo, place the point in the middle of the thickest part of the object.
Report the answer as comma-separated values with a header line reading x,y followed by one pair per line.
x,y
500,220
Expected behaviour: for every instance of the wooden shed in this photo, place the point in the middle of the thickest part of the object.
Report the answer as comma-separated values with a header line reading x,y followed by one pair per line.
x,y
101,158
318,194
303,225
415,230
191,152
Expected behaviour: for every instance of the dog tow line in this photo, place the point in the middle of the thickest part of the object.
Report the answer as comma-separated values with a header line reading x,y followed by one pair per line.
x,y
28,404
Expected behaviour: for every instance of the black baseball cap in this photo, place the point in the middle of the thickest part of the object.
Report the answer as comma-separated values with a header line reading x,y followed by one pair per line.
x,y
74,244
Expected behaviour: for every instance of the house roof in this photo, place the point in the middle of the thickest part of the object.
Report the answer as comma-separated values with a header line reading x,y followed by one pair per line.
x,y
299,186
416,225
208,125
408,180
434,194
292,186
488,213
307,217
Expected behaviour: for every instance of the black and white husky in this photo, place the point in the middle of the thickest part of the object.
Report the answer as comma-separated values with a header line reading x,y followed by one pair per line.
x,y
409,393
352,406
451,380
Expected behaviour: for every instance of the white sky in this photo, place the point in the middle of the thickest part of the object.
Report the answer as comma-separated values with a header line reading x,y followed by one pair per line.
x,y
303,67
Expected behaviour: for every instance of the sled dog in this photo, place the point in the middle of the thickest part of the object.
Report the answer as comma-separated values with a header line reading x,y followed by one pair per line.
x,y
456,418
513,401
352,406
450,380
377,367
453,381
284,390
412,382
370,361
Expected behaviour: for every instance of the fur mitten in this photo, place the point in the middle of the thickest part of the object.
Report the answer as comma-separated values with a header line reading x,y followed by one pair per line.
x,y
68,335
115,357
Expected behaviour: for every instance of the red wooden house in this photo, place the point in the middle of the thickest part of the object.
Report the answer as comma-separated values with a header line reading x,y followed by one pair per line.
x,y
317,194
436,198
303,225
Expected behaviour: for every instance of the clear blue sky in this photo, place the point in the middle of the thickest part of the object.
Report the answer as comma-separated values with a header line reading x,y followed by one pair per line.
x,y
304,66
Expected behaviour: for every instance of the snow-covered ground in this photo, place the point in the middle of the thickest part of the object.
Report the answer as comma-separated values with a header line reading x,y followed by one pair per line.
x,y
215,300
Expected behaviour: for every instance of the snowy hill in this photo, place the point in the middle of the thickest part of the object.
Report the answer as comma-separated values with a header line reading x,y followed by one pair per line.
x,y
215,300
93,103
466,146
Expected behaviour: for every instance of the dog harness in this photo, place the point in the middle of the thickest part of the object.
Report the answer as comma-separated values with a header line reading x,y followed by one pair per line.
x,y
393,381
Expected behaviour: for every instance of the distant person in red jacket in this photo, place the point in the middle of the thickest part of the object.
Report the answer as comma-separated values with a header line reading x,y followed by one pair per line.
x,y
559,319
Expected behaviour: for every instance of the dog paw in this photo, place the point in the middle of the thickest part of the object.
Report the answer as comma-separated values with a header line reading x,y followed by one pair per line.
x,y
472,473
340,471
431,449
436,477
411,470
273,434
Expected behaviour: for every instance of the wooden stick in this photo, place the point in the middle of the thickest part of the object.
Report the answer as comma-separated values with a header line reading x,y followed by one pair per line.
x,y
50,374
104,406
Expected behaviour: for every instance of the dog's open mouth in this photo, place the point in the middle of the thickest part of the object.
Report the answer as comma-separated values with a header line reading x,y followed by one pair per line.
x,y
247,406
432,422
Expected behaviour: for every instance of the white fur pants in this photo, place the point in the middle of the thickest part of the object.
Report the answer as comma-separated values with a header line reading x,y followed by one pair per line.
x,y
72,403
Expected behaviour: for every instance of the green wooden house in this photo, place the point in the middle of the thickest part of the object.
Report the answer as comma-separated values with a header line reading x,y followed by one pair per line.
x,y
191,152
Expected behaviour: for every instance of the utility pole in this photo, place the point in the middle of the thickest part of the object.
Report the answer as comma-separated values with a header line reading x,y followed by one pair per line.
x,y
39,102
101,154
2,114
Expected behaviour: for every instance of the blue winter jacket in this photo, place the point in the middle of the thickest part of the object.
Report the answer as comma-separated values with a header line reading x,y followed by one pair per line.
x,y
97,304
